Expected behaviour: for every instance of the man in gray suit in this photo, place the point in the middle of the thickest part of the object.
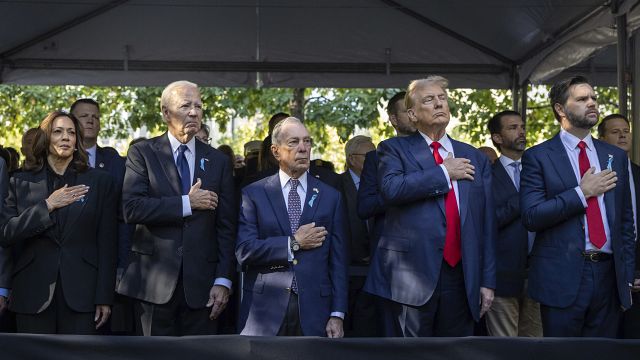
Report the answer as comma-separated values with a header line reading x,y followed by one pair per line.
x,y
179,193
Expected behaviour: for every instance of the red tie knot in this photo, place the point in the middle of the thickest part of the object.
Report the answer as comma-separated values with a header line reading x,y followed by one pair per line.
x,y
435,145
582,145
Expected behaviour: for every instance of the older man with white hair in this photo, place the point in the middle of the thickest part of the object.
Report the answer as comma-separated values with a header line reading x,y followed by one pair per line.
x,y
179,193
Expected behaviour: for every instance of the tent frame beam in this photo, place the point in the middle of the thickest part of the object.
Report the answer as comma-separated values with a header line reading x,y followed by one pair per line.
x,y
445,30
66,26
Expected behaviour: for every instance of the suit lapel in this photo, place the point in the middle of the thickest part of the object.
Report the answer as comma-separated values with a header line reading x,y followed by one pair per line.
x,y
424,157
560,161
311,201
201,162
463,185
75,209
500,174
274,193
609,196
100,159
165,158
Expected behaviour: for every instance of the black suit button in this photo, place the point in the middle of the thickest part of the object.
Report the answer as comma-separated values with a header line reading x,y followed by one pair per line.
x,y
179,251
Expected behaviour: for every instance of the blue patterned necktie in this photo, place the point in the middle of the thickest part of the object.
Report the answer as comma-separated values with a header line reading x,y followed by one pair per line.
x,y
183,170
516,173
295,212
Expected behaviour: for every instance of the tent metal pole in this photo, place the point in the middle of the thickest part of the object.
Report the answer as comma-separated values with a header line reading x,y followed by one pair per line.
x,y
621,25
515,89
523,100
635,96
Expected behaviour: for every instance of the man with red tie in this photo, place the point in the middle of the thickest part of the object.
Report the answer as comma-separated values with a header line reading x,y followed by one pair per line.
x,y
435,260
574,193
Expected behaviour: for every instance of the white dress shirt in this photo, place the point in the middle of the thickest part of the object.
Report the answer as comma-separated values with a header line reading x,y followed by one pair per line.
x,y
445,149
285,184
570,143
190,154
355,178
92,155
511,171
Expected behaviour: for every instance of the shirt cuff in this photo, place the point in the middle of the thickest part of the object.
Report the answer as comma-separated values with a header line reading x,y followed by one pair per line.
x,y
446,174
290,255
186,206
338,314
223,282
4,292
581,196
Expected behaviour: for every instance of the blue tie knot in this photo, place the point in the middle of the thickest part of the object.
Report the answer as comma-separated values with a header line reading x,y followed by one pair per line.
x,y
182,148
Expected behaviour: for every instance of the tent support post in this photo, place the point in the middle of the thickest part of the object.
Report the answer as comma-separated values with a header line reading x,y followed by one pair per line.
x,y
621,25
635,96
523,100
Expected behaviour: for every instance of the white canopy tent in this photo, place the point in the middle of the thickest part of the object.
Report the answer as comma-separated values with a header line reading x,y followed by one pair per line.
x,y
320,43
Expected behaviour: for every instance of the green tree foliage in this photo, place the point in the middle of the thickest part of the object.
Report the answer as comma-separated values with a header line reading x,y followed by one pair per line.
x,y
332,115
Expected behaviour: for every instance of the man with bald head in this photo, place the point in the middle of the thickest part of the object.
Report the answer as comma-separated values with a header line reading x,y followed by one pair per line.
x,y
435,260
292,246
179,193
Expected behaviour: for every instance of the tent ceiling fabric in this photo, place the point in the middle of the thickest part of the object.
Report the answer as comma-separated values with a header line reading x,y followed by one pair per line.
x,y
295,43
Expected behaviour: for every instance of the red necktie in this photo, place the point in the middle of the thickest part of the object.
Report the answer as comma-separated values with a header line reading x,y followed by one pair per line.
x,y
452,240
594,217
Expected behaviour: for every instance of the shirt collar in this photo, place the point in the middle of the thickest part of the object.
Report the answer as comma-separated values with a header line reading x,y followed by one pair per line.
x,y
191,145
445,142
571,141
284,180
354,177
506,161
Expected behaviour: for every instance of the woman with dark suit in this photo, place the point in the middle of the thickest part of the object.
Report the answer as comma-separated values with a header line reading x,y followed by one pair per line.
x,y
59,224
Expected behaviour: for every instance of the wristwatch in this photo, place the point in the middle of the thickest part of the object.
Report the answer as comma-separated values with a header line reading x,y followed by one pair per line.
x,y
295,246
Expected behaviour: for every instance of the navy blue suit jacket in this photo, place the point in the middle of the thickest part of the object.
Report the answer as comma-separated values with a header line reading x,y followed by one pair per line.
x,y
406,265
370,203
552,208
108,159
512,239
262,250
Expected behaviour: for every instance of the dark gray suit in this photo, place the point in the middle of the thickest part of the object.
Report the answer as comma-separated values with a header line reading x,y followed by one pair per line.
x,y
167,248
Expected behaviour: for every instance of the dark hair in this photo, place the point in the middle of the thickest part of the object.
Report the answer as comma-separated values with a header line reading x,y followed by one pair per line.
x,y
38,158
15,159
559,93
227,150
205,127
603,123
392,108
276,119
84,101
6,156
495,123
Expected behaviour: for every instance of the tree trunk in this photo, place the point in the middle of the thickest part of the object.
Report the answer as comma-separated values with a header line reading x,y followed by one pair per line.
x,y
297,104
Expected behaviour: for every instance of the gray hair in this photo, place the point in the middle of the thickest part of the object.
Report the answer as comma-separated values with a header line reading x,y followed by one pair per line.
x,y
414,85
275,136
167,93
354,144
